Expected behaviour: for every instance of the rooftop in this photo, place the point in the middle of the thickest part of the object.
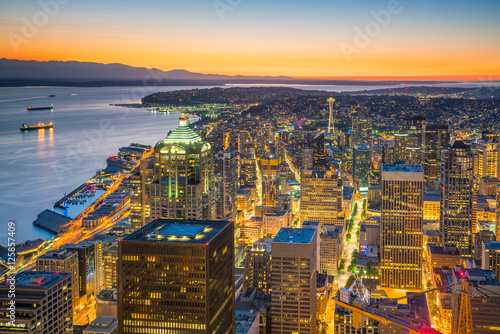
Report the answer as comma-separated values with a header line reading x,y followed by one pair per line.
x,y
176,231
59,254
36,279
107,295
183,136
402,168
448,250
492,245
295,235
102,324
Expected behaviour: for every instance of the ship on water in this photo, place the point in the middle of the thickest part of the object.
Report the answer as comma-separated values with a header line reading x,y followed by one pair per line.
x,y
40,108
26,127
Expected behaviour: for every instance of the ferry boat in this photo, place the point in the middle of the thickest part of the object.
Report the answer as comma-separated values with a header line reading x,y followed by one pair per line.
x,y
26,127
40,108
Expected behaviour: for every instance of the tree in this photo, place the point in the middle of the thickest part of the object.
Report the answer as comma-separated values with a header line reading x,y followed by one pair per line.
x,y
341,266
349,282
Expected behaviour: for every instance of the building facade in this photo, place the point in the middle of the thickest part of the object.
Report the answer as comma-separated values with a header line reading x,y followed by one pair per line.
x,y
182,186
457,198
293,280
62,260
436,136
401,227
178,277
258,266
321,197
43,303
226,184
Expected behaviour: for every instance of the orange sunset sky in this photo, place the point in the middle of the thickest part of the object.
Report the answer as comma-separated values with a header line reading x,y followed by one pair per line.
x,y
317,39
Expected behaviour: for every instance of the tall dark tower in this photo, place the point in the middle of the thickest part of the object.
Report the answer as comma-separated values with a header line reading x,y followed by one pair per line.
x,y
457,197
318,146
415,125
436,136
177,277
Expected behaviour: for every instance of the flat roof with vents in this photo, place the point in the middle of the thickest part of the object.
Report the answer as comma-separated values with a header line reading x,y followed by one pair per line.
x,y
190,231
179,231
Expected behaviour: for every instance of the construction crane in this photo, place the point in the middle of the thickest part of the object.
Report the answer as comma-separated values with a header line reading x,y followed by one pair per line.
x,y
363,307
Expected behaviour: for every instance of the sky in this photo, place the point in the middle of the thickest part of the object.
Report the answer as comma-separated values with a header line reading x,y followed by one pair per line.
x,y
428,39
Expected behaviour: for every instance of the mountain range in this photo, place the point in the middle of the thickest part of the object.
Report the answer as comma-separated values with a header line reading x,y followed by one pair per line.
x,y
87,71
18,73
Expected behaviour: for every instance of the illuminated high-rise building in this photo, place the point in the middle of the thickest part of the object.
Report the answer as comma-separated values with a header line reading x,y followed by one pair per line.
x,y
415,125
361,168
62,260
497,225
485,159
248,173
361,131
226,184
258,266
457,198
182,186
401,226
306,158
140,202
321,197
490,137
401,141
110,264
436,136
90,268
270,168
43,303
177,276
293,280
331,246
490,258
318,146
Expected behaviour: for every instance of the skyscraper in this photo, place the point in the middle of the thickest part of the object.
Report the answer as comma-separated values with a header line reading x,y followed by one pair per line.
x,y
318,146
62,260
140,202
270,167
436,137
293,279
177,276
457,198
361,168
497,225
90,268
361,131
485,159
321,197
401,141
182,186
258,266
415,125
43,303
401,229
226,184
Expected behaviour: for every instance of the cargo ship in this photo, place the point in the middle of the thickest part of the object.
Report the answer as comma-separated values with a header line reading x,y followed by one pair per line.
x,y
40,108
26,127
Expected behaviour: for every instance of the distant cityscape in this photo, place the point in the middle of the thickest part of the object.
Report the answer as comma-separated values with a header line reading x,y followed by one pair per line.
x,y
278,210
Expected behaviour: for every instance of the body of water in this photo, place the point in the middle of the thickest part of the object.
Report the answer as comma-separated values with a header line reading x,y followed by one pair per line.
x,y
38,167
